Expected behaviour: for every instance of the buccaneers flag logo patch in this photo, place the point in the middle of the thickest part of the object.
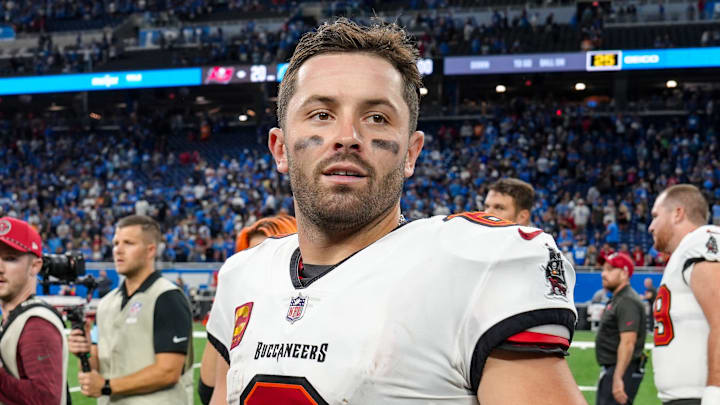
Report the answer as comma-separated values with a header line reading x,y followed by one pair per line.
x,y
555,275
242,317
712,245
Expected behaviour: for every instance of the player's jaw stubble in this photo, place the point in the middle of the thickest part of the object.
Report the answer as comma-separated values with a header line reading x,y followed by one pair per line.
x,y
342,208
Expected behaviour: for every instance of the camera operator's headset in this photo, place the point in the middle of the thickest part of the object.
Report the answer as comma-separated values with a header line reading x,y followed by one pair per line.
x,y
30,303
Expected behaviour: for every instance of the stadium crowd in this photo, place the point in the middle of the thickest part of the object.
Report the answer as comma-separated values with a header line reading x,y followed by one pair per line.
x,y
38,16
440,31
595,176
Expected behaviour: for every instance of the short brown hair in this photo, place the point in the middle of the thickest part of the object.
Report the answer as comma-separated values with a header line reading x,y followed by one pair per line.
x,y
522,193
691,199
387,41
149,226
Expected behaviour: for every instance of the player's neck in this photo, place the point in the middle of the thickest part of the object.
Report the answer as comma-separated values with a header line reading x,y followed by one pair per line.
x,y
324,247
681,231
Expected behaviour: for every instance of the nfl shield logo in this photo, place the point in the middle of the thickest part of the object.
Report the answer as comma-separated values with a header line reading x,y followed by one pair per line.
x,y
297,308
135,308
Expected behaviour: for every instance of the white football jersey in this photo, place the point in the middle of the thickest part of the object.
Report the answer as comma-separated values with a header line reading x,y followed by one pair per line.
x,y
409,319
681,330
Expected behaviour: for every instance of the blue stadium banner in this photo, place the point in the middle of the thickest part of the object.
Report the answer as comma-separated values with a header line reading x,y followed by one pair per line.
x,y
101,81
7,33
518,63
591,61
679,58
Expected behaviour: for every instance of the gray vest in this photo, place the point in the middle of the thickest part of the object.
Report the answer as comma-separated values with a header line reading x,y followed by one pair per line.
x,y
126,345
11,337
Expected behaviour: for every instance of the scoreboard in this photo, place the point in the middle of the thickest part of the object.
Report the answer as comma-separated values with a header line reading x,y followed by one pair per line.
x,y
233,74
603,60
590,61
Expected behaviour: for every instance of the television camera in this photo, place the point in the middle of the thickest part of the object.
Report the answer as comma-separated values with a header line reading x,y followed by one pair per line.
x,y
69,269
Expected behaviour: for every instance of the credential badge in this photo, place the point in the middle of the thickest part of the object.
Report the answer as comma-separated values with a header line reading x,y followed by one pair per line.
x,y
297,308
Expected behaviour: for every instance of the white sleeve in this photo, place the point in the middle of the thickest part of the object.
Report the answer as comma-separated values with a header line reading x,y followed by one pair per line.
x,y
527,293
703,247
222,318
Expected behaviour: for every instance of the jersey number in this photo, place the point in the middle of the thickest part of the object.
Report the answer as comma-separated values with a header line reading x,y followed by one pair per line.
x,y
661,312
267,389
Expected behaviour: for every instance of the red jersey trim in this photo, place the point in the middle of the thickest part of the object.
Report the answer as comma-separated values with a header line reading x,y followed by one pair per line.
x,y
539,339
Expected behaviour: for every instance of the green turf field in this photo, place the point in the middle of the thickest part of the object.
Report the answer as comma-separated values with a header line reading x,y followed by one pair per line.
x,y
586,371
582,364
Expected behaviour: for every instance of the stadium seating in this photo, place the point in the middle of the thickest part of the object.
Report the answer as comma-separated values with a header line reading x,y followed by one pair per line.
x,y
510,29
205,187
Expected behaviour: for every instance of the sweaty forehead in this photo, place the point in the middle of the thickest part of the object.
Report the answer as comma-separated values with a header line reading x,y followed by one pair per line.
x,y
357,74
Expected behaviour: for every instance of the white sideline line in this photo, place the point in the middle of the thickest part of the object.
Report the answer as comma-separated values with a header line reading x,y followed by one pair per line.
x,y
198,334
197,365
575,345
77,389
591,345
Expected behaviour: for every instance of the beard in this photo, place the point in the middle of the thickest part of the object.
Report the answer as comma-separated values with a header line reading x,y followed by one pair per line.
x,y
660,241
662,236
341,208
610,286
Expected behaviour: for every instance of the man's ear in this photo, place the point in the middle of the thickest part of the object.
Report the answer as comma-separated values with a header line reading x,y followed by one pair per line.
x,y
276,144
678,214
415,145
152,250
523,216
36,265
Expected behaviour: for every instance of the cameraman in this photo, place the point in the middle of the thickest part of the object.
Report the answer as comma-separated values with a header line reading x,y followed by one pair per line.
x,y
144,349
32,343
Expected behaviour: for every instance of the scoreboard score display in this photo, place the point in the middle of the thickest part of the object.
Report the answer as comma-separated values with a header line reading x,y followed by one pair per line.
x,y
232,74
603,60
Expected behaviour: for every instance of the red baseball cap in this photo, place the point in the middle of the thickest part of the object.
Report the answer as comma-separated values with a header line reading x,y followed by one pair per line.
x,y
19,235
619,260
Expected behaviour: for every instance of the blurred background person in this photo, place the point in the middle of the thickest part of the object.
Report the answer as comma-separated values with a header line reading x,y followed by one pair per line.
x,y
510,199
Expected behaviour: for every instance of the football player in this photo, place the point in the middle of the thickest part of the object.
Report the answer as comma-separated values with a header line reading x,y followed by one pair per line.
x,y
510,199
361,307
686,355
